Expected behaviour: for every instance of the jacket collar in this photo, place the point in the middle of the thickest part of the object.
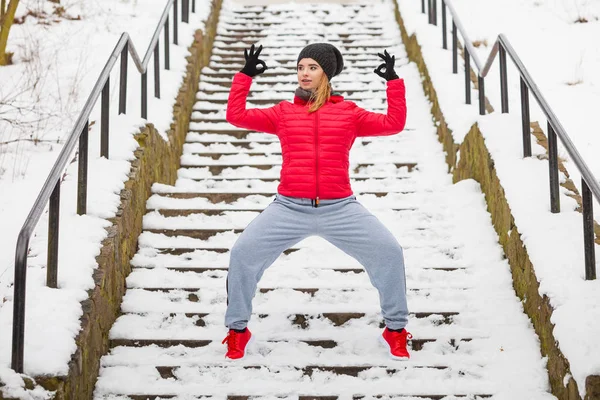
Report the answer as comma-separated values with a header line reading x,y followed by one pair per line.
x,y
335,98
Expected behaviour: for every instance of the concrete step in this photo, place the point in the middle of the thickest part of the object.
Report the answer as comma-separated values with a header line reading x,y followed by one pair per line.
x,y
276,179
251,24
266,139
303,321
269,101
262,379
222,87
235,133
416,344
303,40
289,59
301,397
274,30
200,270
207,94
357,396
217,197
223,211
206,250
354,51
217,169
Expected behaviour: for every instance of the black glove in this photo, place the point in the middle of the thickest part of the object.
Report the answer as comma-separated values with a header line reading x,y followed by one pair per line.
x,y
388,65
252,62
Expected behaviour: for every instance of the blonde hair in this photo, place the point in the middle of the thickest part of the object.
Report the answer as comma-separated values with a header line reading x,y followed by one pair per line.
x,y
321,95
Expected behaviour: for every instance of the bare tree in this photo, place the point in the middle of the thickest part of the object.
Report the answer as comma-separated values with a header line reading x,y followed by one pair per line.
x,y
7,16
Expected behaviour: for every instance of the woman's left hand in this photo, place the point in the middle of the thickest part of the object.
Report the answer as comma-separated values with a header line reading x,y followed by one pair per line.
x,y
254,66
388,66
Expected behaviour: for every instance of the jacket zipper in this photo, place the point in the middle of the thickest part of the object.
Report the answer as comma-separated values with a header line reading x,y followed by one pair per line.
x,y
317,158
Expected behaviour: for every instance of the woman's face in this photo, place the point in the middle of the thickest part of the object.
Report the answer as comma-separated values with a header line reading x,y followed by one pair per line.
x,y
309,74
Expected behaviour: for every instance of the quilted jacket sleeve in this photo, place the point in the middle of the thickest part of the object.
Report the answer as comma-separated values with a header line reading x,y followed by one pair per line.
x,y
257,119
375,124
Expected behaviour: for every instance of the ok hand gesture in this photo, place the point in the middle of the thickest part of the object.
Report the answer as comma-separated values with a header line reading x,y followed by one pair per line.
x,y
253,66
388,66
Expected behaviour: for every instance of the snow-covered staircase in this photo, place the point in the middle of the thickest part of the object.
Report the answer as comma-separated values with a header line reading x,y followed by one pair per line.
x,y
316,316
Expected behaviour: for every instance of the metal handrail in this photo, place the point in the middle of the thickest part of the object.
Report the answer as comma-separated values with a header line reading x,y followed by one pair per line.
x,y
547,110
50,192
589,184
463,32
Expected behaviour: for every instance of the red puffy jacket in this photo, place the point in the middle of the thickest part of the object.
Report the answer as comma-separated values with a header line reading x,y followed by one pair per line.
x,y
315,146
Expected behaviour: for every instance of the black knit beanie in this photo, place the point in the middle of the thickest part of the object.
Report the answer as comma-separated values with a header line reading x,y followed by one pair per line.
x,y
327,55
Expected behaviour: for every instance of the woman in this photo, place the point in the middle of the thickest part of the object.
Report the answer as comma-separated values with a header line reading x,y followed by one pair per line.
x,y
314,196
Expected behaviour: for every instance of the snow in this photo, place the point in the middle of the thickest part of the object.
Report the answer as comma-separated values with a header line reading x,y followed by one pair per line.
x,y
438,223
66,56
541,32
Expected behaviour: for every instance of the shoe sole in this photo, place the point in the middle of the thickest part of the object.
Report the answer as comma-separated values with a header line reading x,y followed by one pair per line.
x,y
387,346
245,350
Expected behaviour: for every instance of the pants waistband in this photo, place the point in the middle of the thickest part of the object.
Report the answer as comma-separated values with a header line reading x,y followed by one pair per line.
x,y
312,202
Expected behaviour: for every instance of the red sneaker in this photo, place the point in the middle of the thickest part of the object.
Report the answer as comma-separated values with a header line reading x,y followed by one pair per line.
x,y
396,343
236,344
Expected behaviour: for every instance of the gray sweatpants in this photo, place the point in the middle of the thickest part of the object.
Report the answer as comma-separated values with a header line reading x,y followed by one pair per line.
x,y
345,223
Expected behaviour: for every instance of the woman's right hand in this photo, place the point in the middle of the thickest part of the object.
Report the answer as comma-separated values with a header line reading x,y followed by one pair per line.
x,y
253,66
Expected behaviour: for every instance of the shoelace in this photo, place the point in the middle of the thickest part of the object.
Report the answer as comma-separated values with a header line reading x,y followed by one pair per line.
x,y
400,339
232,340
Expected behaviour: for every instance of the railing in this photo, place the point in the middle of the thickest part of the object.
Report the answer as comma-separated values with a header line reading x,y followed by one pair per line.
x,y
51,190
589,184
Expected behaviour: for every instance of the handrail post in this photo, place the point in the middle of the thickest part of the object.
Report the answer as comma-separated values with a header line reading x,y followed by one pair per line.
x,y
175,23
82,171
429,7
18,336
422,6
156,72
167,46
123,81
434,14
185,10
444,27
193,6
104,119
467,76
53,225
525,119
503,80
481,84
553,165
144,95
588,231
454,49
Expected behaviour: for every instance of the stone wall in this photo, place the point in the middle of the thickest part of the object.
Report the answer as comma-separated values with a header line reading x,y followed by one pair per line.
x,y
156,160
476,163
